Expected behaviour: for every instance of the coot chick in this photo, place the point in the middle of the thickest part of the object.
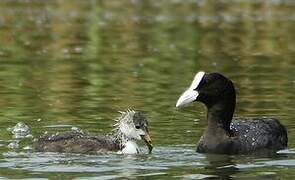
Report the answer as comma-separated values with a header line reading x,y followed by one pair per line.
x,y
130,126
222,135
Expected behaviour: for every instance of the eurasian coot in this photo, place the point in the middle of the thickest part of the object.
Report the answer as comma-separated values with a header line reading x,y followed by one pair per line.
x,y
222,135
130,126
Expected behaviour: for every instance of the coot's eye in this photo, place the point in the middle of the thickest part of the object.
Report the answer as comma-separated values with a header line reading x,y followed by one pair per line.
x,y
137,127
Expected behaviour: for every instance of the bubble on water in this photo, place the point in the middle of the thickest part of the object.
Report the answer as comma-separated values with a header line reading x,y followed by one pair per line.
x,y
135,74
65,51
196,120
141,64
29,136
78,49
27,43
172,46
13,145
20,130
27,148
76,129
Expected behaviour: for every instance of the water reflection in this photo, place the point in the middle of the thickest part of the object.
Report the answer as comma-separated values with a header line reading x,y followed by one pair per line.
x,y
221,166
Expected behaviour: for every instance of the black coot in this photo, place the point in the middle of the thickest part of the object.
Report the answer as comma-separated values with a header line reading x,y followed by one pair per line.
x,y
225,135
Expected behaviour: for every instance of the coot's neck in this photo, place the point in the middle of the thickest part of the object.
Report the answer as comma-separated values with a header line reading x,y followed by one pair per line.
x,y
220,113
130,147
127,145
121,125
119,138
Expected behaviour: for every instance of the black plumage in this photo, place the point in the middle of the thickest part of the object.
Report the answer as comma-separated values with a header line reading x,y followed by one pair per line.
x,y
225,134
76,142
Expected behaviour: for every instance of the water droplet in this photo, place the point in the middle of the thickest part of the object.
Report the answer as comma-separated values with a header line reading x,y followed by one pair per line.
x,y
27,43
20,130
65,51
172,46
27,148
78,50
13,145
29,136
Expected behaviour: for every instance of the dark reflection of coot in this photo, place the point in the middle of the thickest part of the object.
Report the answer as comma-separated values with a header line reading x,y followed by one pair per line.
x,y
220,166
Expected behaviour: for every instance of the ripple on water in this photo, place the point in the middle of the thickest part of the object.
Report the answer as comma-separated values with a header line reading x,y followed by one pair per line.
x,y
162,158
111,165
285,156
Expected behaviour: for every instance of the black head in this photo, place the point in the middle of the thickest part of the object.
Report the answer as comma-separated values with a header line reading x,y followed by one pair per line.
x,y
208,88
140,121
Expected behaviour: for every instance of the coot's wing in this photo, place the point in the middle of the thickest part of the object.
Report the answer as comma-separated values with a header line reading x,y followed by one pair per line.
x,y
259,133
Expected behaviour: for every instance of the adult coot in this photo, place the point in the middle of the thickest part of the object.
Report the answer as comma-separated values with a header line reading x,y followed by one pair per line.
x,y
222,135
130,126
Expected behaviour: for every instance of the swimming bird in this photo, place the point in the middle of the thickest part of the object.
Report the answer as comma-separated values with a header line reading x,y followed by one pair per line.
x,y
225,135
130,126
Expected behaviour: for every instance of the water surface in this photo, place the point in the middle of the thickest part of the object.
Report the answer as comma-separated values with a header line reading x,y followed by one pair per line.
x,y
76,63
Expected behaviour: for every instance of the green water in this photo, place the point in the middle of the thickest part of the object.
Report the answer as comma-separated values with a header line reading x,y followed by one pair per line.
x,y
68,63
